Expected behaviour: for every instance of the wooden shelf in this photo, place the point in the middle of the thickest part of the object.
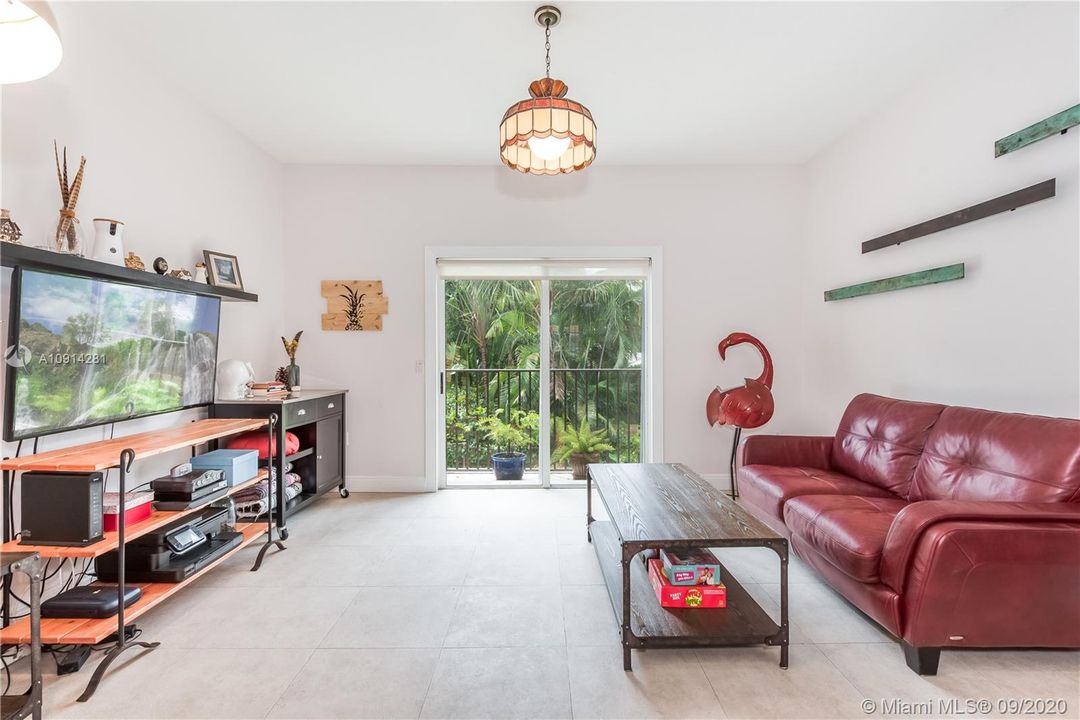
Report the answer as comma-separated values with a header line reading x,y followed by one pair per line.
x,y
106,453
111,541
36,258
742,622
89,631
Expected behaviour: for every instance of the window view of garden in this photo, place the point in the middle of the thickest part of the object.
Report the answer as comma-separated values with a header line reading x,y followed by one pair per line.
x,y
493,386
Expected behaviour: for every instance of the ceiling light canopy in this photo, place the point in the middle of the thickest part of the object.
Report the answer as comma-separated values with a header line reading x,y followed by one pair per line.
x,y
29,44
548,134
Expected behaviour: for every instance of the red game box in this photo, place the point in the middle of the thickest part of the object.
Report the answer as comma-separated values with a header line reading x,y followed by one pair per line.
x,y
684,596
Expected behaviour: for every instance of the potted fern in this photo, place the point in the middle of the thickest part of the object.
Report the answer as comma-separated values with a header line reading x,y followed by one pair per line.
x,y
511,437
581,446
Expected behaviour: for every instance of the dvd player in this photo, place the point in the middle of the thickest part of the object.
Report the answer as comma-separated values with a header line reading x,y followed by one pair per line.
x,y
178,567
194,495
189,482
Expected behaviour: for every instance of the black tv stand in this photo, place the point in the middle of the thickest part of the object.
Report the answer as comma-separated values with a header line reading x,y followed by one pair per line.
x,y
317,417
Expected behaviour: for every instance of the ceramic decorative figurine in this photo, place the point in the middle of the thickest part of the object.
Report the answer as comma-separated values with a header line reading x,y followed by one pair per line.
x,y
108,241
134,262
161,266
200,272
9,231
234,377
181,274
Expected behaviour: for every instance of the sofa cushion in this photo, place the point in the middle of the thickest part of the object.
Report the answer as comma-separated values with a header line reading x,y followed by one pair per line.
x,y
768,487
984,455
879,440
847,530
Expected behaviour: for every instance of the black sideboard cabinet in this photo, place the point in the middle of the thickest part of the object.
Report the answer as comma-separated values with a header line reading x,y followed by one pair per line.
x,y
317,417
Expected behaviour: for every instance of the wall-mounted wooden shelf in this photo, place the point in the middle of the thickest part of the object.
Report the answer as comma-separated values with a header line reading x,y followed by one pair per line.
x,y
22,256
1011,201
1057,124
932,276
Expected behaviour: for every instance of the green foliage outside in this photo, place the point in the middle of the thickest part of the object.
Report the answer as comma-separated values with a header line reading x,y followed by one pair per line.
x,y
515,435
582,440
493,361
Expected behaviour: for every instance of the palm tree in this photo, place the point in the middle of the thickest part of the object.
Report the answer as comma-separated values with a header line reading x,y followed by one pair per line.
x,y
594,324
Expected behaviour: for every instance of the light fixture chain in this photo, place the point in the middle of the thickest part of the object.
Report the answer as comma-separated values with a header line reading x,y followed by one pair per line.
x,y
547,47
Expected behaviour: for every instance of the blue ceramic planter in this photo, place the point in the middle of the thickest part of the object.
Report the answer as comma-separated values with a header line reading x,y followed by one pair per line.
x,y
508,465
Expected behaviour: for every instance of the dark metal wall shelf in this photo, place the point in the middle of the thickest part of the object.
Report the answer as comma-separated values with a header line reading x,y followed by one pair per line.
x,y
1011,201
22,256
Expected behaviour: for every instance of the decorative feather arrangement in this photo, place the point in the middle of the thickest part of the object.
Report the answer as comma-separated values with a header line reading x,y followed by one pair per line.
x,y
291,346
66,236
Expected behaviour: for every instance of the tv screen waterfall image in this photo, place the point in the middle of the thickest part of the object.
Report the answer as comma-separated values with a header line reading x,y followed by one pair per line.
x,y
92,351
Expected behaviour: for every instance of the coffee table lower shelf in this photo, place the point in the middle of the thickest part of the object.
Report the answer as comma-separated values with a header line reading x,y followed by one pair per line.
x,y
742,622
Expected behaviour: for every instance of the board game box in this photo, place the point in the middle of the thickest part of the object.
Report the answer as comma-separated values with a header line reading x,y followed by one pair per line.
x,y
684,596
690,567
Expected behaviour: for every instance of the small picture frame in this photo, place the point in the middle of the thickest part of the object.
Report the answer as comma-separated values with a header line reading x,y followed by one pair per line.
x,y
223,270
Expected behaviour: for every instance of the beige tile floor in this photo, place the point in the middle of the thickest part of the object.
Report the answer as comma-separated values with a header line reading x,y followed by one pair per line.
x,y
489,604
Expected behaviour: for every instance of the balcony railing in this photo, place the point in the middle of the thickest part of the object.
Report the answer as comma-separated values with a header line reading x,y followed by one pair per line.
x,y
608,399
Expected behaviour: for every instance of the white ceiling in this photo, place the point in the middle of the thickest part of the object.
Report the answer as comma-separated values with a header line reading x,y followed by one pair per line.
x,y
426,83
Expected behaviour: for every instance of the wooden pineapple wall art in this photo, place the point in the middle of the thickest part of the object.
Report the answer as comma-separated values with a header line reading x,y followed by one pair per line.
x,y
354,305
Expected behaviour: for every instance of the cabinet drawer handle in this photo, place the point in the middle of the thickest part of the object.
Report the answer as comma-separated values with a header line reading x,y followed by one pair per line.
x,y
329,406
301,412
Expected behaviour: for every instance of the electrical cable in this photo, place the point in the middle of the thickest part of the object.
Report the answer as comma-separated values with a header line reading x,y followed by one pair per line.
x,y
10,499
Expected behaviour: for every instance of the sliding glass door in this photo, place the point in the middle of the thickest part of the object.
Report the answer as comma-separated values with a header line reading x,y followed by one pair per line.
x,y
595,377
542,369
492,380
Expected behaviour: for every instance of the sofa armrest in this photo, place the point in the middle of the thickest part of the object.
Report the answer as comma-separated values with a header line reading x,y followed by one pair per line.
x,y
786,450
915,519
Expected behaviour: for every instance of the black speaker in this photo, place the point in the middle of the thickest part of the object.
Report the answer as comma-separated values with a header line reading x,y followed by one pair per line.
x,y
62,508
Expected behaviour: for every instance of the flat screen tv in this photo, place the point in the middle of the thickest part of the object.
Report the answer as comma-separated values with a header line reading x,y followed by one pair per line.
x,y
87,351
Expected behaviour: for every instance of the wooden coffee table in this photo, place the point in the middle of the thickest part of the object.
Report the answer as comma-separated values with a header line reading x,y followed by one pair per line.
x,y
658,505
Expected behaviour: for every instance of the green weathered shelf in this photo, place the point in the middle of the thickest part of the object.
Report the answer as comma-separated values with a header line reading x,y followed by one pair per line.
x,y
899,282
1041,130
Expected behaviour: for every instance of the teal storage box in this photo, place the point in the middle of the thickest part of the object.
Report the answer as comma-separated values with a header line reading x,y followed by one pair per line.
x,y
239,465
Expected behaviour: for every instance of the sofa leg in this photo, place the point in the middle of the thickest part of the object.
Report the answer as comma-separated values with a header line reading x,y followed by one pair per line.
x,y
922,660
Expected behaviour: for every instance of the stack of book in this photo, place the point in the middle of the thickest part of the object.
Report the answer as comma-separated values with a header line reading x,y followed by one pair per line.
x,y
269,389
687,579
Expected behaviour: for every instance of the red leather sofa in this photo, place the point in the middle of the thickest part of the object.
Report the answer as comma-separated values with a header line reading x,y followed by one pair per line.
x,y
949,526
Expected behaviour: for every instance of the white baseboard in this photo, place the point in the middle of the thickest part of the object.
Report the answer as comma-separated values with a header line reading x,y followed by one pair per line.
x,y
386,483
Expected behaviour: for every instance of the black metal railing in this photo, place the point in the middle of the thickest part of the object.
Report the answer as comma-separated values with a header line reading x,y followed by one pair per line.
x,y
608,399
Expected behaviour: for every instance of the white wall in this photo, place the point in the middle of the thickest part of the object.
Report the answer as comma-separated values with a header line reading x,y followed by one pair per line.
x,y
181,180
728,236
1007,336
745,248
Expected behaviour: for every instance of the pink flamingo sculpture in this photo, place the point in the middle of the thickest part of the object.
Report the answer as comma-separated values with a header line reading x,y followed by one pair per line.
x,y
749,406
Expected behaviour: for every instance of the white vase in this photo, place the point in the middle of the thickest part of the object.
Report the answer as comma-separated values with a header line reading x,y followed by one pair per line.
x,y
109,241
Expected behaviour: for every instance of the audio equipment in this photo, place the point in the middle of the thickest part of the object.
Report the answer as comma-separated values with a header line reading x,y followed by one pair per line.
x,y
62,508
180,470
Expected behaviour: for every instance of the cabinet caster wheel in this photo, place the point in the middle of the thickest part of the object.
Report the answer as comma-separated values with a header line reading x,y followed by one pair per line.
x,y
344,492
284,533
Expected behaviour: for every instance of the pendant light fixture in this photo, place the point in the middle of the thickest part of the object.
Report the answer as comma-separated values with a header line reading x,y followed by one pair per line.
x,y
29,44
548,134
